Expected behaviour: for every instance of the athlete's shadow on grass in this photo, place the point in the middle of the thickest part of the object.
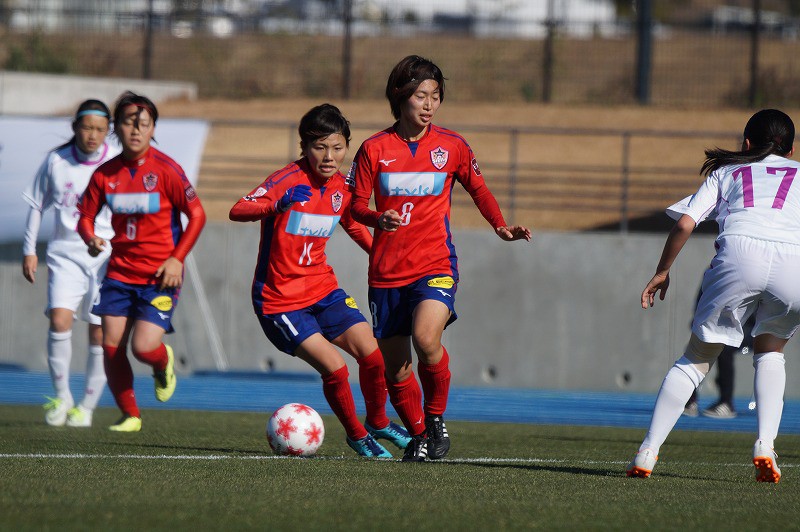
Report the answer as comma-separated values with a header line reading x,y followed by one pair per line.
x,y
576,470
183,448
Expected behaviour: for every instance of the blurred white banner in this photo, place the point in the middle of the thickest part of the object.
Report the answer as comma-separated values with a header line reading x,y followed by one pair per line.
x,y
25,141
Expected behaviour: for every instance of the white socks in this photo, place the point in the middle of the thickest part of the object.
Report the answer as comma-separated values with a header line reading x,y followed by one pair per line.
x,y
681,380
769,386
59,355
95,377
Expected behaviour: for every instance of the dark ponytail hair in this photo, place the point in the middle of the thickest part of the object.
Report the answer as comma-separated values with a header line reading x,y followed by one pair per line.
x,y
769,131
88,107
321,121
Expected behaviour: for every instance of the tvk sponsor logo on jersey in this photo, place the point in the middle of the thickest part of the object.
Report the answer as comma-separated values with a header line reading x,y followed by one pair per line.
x,y
412,183
307,224
134,202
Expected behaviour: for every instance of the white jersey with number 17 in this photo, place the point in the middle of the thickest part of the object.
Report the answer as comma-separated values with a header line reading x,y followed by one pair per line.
x,y
759,200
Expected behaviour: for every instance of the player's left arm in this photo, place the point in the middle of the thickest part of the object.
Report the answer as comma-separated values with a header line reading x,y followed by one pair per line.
x,y
183,195
470,177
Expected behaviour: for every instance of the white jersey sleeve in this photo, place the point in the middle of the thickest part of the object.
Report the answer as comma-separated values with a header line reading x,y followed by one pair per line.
x,y
39,193
31,232
702,204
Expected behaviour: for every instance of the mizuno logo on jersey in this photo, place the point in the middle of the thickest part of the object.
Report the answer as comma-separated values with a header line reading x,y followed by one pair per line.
x,y
387,162
134,202
412,183
306,224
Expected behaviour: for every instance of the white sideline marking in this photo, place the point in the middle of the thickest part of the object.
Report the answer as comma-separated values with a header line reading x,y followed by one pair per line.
x,y
486,460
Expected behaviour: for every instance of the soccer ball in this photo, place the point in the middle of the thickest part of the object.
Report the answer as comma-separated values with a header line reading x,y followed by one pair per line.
x,y
296,430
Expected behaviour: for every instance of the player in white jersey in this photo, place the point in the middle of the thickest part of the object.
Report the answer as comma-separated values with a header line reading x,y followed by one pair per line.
x,y
754,272
74,275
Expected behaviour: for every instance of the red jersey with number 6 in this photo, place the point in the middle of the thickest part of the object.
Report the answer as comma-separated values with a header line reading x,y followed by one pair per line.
x,y
416,179
146,197
292,271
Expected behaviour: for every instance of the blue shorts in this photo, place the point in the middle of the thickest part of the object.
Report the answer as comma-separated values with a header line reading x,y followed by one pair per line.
x,y
331,316
392,308
138,301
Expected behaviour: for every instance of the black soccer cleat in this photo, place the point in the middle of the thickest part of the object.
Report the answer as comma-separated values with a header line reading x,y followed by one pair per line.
x,y
417,449
438,439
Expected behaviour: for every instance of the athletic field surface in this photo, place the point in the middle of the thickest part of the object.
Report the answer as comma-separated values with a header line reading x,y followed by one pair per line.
x,y
520,459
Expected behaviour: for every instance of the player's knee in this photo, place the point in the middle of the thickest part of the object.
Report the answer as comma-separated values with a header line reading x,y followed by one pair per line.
x,y
698,359
427,344
60,322
700,352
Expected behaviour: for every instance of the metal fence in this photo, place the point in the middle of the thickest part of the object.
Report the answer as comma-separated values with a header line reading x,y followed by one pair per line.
x,y
619,179
567,51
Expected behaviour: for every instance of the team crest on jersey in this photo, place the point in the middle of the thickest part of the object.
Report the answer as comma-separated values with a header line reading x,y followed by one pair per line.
x,y
150,181
336,201
439,157
475,166
350,302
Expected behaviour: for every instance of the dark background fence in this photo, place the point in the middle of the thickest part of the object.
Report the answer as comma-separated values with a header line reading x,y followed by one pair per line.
x,y
661,52
616,184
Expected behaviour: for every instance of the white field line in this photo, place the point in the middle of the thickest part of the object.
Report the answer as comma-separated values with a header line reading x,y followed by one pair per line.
x,y
216,457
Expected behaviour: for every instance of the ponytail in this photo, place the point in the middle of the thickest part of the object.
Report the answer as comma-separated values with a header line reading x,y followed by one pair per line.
x,y
769,132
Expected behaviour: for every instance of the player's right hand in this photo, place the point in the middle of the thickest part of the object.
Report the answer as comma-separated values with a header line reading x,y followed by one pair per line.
x,y
96,246
29,264
295,194
389,220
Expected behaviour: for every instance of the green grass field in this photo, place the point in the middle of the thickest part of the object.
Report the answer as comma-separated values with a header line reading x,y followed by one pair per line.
x,y
215,471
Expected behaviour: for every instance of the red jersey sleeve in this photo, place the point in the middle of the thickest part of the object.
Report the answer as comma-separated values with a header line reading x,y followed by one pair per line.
x,y
182,195
260,202
358,232
362,175
469,175
91,202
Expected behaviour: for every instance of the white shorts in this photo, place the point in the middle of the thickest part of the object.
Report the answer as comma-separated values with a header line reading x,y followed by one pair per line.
x,y
749,275
74,278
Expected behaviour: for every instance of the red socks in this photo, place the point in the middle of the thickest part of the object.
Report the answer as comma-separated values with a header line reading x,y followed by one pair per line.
x,y
157,358
340,398
120,379
372,379
406,398
435,380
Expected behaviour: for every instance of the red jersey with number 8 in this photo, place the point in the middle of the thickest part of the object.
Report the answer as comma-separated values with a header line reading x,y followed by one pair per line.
x,y
416,180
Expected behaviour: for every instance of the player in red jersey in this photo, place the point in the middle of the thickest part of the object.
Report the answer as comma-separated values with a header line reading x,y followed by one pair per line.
x,y
296,296
146,192
411,168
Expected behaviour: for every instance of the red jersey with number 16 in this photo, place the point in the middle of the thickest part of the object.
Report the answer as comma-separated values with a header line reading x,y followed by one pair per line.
x,y
146,197
416,179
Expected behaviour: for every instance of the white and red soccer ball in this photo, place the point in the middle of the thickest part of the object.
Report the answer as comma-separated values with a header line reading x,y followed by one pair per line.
x,y
295,429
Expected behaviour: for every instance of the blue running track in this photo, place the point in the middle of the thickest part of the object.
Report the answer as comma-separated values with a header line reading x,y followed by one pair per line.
x,y
261,392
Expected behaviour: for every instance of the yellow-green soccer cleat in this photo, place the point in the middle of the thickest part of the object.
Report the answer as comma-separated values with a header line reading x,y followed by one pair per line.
x,y
127,424
79,417
165,381
56,411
